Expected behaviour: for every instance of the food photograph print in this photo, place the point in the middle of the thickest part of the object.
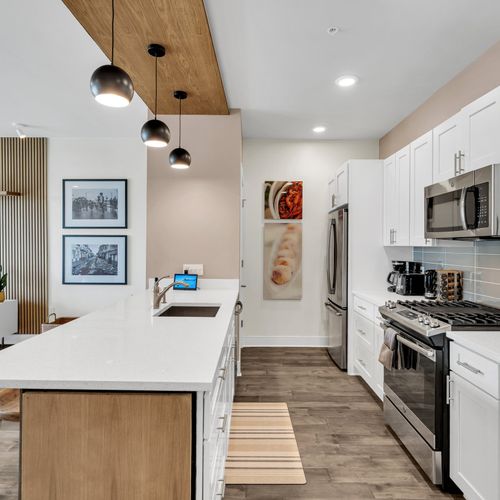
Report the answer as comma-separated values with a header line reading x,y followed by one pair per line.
x,y
283,200
282,261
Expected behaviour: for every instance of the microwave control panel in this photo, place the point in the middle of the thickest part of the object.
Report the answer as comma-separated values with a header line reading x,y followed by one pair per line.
x,y
482,212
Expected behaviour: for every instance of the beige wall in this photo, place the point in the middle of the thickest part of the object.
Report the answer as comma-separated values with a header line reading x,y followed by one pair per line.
x,y
477,79
194,215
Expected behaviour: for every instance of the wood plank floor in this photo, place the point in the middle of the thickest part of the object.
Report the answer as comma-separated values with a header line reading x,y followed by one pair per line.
x,y
346,450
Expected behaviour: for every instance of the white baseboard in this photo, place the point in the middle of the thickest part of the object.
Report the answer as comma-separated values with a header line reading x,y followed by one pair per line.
x,y
264,341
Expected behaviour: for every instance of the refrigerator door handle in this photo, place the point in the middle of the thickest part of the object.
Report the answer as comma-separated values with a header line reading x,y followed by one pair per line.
x,y
328,248
335,252
335,311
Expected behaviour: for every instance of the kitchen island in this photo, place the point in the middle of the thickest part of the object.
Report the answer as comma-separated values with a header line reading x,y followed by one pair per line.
x,y
124,403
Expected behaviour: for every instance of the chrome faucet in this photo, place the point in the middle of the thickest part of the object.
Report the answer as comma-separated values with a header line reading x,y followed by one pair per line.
x,y
159,296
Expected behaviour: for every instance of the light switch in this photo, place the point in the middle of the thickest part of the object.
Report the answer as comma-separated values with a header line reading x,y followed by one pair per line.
x,y
193,269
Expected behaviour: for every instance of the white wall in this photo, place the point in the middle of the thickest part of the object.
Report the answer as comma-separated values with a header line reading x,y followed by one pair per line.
x,y
94,159
290,322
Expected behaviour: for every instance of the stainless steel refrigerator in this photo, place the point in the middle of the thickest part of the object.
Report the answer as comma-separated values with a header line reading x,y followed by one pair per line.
x,y
336,270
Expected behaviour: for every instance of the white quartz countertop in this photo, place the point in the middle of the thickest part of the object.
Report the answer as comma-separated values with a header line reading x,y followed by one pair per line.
x,y
124,347
379,296
486,344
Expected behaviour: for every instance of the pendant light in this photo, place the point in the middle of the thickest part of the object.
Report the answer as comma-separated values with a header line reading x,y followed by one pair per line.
x,y
180,158
155,133
109,84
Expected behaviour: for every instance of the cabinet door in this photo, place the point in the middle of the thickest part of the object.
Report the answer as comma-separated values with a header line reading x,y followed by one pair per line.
x,y
474,440
390,200
342,185
481,131
378,368
420,177
447,142
402,230
332,192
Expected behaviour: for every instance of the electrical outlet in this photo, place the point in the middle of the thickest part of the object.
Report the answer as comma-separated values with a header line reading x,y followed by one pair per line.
x,y
193,269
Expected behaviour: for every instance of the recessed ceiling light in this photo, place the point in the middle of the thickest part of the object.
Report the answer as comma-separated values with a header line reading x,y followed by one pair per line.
x,y
346,80
319,129
333,30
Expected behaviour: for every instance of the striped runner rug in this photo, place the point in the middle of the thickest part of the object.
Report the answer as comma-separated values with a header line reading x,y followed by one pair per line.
x,y
262,446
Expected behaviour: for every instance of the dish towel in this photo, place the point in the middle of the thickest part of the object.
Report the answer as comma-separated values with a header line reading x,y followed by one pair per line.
x,y
389,353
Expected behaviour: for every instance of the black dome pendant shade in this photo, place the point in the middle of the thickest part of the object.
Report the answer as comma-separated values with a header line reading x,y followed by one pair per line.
x,y
155,133
179,157
109,84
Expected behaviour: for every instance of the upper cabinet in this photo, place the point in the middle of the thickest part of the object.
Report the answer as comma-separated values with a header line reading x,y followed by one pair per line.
x,y
469,139
447,139
420,177
481,131
339,186
397,199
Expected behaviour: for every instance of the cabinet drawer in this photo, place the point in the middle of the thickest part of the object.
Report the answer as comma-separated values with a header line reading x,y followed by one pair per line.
x,y
364,307
476,369
363,359
364,329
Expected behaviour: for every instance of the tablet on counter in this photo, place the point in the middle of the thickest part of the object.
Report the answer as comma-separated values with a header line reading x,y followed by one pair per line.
x,y
190,279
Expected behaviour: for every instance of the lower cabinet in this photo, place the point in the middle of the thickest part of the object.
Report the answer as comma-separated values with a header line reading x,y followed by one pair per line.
x,y
367,341
474,439
218,404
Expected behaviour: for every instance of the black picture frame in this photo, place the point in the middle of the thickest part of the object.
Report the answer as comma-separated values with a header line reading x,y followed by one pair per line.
x,y
88,281
106,223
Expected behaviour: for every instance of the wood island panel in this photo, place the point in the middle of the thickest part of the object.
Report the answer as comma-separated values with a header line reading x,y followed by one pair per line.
x,y
106,446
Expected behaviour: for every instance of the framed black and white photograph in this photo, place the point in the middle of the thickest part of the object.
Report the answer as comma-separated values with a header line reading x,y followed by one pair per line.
x,y
94,260
94,203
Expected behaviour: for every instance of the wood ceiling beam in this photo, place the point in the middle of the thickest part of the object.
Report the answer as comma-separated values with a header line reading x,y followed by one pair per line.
x,y
190,63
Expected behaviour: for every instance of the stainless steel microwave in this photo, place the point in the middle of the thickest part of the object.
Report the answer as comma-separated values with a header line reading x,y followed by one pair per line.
x,y
464,206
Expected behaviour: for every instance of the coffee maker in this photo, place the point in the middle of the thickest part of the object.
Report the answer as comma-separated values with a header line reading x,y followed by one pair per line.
x,y
400,267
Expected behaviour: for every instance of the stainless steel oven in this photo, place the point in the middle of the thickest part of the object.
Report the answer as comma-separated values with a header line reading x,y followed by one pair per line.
x,y
464,206
413,399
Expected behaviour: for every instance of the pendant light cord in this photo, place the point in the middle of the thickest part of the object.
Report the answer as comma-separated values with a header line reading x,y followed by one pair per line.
x,y
180,113
112,31
156,84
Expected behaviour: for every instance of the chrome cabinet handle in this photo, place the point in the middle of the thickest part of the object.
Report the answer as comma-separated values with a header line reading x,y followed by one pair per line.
x,y
223,375
362,308
471,368
460,155
222,491
449,397
362,363
455,163
361,331
224,424
395,237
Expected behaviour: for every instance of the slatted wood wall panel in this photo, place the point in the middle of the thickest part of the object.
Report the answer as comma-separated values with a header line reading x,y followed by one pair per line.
x,y
23,227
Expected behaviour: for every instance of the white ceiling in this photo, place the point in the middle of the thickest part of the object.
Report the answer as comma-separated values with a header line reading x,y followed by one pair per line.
x,y
278,63
46,60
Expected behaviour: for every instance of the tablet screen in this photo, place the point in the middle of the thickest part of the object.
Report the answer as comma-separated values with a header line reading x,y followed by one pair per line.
x,y
190,279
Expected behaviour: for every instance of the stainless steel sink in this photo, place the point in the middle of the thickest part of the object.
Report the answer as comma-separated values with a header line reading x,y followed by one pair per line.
x,y
187,311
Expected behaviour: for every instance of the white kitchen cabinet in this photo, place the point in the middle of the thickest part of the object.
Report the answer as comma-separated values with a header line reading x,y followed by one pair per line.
x,y
368,339
397,199
420,177
481,131
390,199
474,440
447,147
338,187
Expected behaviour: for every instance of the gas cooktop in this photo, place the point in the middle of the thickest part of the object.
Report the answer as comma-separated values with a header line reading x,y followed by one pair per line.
x,y
466,314
431,318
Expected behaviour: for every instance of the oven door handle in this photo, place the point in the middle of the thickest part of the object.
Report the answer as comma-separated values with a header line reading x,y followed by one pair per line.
x,y
428,353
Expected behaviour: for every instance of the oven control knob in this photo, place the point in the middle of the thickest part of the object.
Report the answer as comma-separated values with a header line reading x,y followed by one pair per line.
x,y
426,320
434,323
420,318
390,304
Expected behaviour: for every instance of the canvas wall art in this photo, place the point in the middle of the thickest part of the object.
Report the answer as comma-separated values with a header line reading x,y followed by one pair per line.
x,y
94,203
94,260
283,200
282,261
